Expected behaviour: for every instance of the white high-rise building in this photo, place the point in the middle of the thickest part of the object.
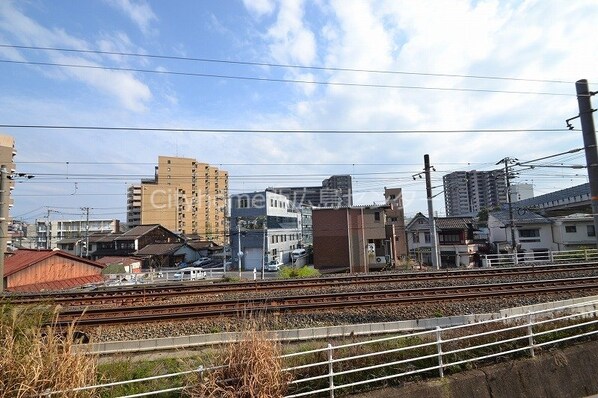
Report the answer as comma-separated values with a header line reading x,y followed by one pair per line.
x,y
468,192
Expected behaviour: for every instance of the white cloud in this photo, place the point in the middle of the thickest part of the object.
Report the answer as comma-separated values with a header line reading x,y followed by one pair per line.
x,y
532,39
131,92
291,41
139,11
259,7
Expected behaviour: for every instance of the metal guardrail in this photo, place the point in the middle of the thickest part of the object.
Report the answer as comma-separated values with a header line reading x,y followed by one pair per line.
x,y
550,256
423,352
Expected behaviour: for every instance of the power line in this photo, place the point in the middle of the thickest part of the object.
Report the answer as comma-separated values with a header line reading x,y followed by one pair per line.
x,y
277,131
279,80
277,65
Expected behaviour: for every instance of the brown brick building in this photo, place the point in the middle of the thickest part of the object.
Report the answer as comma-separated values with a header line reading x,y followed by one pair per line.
x,y
352,239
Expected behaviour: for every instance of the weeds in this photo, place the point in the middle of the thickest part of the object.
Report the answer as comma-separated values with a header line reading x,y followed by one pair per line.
x,y
35,359
251,369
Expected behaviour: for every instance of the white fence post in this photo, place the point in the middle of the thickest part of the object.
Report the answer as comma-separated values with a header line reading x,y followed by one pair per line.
x,y
330,371
530,334
439,348
550,256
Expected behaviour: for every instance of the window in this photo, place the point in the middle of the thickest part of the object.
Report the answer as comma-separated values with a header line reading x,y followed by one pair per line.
x,y
415,237
426,237
242,203
529,233
591,230
454,237
377,216
570,228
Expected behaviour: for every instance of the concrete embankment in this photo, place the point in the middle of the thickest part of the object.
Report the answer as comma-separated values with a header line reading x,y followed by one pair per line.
x,y
568,373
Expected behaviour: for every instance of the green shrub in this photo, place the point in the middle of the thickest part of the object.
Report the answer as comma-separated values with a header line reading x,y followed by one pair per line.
x,y
303,272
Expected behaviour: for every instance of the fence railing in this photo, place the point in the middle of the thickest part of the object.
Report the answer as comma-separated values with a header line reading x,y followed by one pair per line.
x,y
549,256
167,275
431,353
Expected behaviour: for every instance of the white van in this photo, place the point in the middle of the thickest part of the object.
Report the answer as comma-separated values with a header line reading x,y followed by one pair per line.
x,y
190,274
295,254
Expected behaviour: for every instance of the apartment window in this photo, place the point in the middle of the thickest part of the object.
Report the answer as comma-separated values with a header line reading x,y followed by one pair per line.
x,y
272,238
570,228
529,233
591,230
377,216
274,252
272,202
243,203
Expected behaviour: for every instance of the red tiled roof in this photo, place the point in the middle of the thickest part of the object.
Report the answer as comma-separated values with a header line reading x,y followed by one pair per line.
x,y
24,258
58,285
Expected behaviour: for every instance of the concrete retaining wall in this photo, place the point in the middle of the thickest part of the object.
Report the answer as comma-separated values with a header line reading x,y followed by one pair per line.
x,y
325,332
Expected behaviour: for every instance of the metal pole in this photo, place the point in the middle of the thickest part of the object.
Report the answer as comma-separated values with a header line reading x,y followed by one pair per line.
x,y
86,232
239,253
431,220
589,142
264,249
4,202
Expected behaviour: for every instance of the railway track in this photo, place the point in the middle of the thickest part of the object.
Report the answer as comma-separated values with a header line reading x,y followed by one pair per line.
x,y
318,302
153,293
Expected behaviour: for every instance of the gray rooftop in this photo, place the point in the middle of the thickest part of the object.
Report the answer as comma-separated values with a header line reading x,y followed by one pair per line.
x,y
547,200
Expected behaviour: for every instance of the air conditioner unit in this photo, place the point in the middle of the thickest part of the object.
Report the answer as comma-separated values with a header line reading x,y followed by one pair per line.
x,y
380,260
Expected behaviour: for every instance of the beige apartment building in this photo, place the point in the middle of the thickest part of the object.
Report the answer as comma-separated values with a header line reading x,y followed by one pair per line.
x,y
7,154
186,196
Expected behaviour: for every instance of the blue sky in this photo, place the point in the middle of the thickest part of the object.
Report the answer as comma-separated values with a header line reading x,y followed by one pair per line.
x,y
543,40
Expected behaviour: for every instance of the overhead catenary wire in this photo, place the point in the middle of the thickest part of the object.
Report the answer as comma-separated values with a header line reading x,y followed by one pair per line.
x,y
279,131
278,65
281,80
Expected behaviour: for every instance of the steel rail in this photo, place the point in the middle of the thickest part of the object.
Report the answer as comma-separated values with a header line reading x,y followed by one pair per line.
x,y
302,303
154,293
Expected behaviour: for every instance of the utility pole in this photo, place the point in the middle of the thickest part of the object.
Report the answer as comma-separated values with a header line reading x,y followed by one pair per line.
x,y
264,254
508,161
432,221
4,202
589,142
239,253
86,210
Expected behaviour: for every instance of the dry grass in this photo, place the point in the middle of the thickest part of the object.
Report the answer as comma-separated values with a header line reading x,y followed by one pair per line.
x,y
252,369
35,359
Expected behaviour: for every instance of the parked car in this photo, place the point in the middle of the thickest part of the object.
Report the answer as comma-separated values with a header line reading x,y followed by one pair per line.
x,y
201,261
274,265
